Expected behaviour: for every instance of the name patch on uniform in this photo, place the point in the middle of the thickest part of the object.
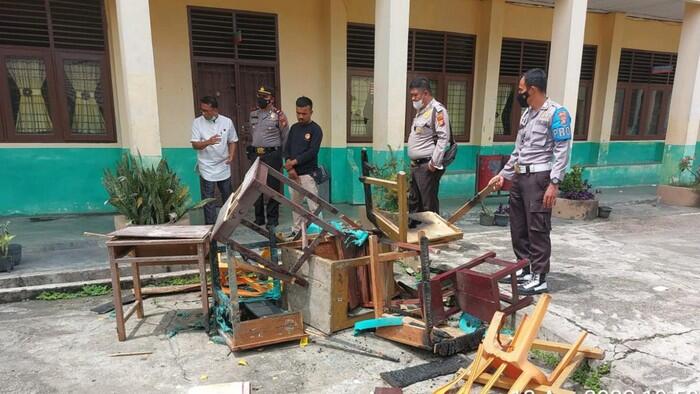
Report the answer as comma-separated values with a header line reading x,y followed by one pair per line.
x,y
440,118
307,136
561,125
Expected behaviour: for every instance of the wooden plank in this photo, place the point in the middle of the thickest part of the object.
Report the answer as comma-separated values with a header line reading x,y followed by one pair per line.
x,y
163,231
133,309
162,290
247,253
506,383
568,357
461,211
377,277
268,330
386,226
402,192
435,227
150,242
391,185
117,295
157,259
406,334
567,371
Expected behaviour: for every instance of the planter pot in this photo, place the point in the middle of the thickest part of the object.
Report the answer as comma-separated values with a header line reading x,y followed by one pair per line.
x,y
575,209
120,221
678,195
6,264
501,219
486,219
15,253
604,212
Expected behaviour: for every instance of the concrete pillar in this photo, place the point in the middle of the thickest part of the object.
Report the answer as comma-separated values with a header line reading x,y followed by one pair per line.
x,y
604,101
140,128
566,51
488,61
340,170
390,57
684,115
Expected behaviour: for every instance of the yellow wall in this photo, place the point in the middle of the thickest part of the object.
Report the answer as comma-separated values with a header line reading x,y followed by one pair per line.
x,y
303,58
651,35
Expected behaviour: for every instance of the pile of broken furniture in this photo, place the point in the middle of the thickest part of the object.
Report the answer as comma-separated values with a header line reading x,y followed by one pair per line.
x,y
343,276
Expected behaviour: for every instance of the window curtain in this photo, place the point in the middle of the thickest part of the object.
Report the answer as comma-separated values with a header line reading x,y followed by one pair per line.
x,y
33,114
84,77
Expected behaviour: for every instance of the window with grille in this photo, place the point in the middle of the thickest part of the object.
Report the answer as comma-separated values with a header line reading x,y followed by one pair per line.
x,y
446,59
643,97
518,56
232,34
54,72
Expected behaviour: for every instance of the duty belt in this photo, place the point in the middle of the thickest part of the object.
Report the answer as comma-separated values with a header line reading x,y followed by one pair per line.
x,y
261,150
531,168
418,162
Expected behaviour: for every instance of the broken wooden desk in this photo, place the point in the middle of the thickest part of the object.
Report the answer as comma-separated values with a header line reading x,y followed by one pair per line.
x,y
141,246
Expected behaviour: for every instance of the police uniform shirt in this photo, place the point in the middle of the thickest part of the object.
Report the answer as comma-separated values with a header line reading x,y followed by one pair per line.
x,y
269,128
211,161
431,120
543,137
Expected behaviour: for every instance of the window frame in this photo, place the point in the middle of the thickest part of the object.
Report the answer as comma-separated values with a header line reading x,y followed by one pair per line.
x,y
647,88
469,79
514,119
583,136
355,72
57,97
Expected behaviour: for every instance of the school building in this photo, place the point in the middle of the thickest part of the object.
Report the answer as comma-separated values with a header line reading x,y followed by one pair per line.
x,y
81,81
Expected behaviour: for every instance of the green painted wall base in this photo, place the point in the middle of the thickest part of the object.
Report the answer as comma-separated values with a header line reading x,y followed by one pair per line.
x,y
672,155
69,180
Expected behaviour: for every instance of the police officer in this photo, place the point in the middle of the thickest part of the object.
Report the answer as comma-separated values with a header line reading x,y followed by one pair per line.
x,y
429,137
536,167
269,129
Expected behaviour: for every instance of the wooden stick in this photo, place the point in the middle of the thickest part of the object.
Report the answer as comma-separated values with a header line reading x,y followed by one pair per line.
x,y
89,234
129,354
461,211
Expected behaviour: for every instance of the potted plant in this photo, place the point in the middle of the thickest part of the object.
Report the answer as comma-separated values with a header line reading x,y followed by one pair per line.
x,y
486,216
684,189
501,215
147,194
7,260
575,201
386,199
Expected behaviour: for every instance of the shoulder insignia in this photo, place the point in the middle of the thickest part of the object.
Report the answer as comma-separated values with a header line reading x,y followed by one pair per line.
x,y
561,125
440,118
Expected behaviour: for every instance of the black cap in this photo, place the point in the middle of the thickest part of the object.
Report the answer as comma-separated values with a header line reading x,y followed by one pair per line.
x,y
265,90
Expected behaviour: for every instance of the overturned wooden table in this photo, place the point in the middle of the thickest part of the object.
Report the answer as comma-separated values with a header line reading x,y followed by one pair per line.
x,y
141,246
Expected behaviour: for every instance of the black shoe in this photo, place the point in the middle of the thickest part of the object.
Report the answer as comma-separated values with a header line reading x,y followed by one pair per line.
x,y
413,223
520,277
260,222
536,285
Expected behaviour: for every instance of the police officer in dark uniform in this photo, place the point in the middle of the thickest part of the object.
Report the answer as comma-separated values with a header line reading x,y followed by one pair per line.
x,y
427,142
269,129
536,167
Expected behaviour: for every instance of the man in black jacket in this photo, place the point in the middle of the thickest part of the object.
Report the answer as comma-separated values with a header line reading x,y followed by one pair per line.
x,y
301,150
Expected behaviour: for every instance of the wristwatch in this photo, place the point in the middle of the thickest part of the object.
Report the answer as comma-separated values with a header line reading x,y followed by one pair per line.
x,y
554,181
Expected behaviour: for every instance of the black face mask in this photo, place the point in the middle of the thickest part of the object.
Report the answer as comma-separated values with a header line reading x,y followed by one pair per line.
x,y
263,102
522,99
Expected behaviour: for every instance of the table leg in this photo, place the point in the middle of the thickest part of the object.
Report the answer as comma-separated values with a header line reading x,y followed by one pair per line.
x,y
136,276
202,262
117,295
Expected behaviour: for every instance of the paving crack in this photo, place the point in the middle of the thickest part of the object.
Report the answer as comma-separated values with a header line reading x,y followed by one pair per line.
x,y
630,351
655,336
175,350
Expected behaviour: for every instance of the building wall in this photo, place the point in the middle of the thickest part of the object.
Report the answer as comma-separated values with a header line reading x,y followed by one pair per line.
x,y
73,171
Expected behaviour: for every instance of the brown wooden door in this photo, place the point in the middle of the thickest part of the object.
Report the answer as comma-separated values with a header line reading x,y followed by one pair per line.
x,y
221,81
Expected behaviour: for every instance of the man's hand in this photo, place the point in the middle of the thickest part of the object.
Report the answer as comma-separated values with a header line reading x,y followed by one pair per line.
x,y
293,175
215,139
431,167
497,181
550,195
229,160
289,164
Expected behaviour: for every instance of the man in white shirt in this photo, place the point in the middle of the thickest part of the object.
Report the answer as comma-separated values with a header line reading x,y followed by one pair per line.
x,y
214,138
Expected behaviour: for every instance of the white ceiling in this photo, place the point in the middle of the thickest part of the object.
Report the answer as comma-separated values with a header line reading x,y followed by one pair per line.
x,y
654,9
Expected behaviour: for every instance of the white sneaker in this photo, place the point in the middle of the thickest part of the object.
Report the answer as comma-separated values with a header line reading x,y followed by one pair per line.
x,y
520,277
535,285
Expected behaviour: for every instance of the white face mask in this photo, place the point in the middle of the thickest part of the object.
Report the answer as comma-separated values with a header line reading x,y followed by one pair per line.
x,y
418,104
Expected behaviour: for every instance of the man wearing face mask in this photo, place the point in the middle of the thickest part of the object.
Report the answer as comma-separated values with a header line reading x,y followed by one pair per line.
x,y
427,142
269,129
536,167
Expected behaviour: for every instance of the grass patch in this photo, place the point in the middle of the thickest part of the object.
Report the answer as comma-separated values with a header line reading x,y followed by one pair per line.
x,y
86,291
585,375
184,280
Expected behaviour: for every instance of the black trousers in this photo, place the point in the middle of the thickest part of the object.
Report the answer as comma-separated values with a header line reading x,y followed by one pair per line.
x,y
271,207
530,221
208,189
423,193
